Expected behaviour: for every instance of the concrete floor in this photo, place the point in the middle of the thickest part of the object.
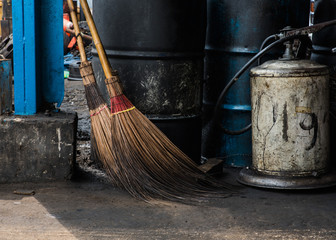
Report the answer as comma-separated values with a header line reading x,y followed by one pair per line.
x,y
92,209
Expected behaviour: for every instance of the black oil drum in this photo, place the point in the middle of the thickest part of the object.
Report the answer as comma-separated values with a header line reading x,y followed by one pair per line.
x,y
324,42
157,46
236,30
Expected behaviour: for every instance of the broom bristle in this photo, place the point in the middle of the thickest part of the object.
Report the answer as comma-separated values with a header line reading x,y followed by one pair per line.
x,y
138,156
153,163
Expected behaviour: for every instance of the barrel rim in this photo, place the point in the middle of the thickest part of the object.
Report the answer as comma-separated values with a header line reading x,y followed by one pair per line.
x,y
282,68
150,54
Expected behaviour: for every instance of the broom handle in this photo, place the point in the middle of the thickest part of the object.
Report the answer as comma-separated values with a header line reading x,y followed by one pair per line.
x,y
77,31
96,39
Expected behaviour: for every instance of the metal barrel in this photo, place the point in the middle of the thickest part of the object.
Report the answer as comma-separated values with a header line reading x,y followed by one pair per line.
x,y
323,43
157,46
290,126
236,30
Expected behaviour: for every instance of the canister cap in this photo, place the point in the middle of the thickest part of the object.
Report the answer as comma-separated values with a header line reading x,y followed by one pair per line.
x,y
289,68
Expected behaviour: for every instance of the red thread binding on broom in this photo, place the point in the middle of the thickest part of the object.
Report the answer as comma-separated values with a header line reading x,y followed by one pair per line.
x,y
120,104
99,111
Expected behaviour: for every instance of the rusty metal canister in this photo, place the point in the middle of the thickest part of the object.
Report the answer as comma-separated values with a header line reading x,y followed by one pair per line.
x,y
290,126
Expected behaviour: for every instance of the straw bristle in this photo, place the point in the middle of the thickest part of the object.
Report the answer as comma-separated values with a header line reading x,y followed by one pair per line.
x,y
151,166
137,155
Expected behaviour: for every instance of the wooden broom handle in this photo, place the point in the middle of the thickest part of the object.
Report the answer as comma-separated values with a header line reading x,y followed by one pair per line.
x,y
96,39
77,31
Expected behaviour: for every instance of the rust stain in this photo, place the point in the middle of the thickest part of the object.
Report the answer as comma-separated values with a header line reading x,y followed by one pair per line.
x,y
306,110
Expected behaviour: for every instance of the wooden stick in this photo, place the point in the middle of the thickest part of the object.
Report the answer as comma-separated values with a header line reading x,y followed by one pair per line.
x,y
77,31
96,39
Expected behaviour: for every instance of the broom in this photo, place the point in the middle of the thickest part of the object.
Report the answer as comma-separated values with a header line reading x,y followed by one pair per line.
x,y
135,153
99,113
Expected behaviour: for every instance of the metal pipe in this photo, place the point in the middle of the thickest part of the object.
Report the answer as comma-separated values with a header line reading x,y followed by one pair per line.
x,y
238,75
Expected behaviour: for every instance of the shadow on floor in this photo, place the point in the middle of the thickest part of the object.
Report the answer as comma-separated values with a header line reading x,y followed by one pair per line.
x,y
92,209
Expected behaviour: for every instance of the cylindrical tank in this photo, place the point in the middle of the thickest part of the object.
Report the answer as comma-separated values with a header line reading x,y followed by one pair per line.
x,y
157,46
236,29
290,125
323,43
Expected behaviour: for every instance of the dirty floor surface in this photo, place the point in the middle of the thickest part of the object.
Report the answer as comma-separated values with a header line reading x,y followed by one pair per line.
x,y
91,209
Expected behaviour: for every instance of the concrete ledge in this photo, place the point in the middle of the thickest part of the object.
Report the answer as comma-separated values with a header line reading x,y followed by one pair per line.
x,y
37,148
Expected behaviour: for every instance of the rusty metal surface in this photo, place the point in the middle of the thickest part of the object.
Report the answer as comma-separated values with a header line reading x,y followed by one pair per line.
x,y
6,19
6,28
5,86
310,29
290,120
256,179
7,9
293,68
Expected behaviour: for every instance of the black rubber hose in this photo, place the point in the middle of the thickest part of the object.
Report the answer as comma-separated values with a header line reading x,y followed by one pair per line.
x,y
274,36
237,76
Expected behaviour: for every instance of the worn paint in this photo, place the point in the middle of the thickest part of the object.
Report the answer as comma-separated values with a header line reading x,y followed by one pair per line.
x,y
285,123
59,141
303,110
234,27
18,120
290,124
37,148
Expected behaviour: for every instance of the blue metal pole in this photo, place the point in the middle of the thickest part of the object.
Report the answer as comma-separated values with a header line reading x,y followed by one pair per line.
x,y
25,91
50,56
38,54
